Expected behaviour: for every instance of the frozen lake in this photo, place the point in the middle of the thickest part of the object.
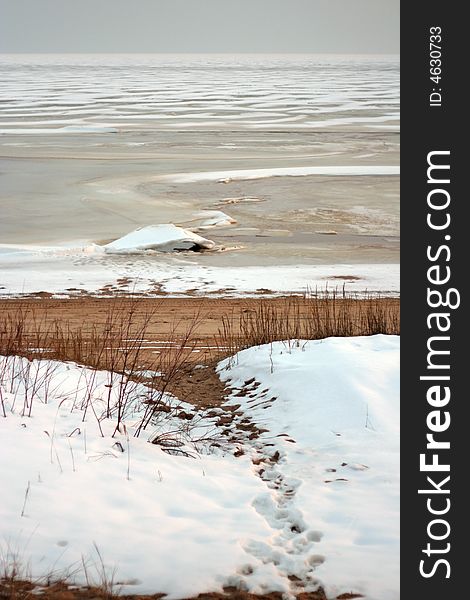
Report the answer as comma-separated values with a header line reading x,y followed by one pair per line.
x,y
302,152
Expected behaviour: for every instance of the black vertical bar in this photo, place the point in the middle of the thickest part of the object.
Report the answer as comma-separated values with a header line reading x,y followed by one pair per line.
x,y
434,123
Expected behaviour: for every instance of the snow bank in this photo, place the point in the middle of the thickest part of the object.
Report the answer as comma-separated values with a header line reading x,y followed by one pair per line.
x,y
165,238
337,486
313,501
152,516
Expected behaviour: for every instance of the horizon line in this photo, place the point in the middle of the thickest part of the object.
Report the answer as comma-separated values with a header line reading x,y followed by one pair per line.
x,y
210,53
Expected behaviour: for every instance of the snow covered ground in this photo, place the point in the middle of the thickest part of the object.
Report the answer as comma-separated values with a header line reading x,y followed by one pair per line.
x,y
150,514
313,501
334,493
66,270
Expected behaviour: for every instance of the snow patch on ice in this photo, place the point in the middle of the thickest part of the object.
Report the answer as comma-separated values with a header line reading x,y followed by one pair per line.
x,y
214,218
243,174
165,238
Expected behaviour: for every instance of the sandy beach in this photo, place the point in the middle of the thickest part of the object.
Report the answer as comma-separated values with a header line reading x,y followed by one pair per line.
x,y
175,316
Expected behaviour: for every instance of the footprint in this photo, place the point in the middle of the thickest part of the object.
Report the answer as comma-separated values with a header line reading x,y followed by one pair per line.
x,y
246,570
259,550
358,467
237,582
315,560
270,475
290,485
314,536
301,544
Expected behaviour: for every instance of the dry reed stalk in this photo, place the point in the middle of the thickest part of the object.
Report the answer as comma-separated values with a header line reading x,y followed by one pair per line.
x,y
315,315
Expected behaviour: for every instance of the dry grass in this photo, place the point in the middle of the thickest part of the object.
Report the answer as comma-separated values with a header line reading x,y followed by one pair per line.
x,y
29,343
120,339
309,317
17,583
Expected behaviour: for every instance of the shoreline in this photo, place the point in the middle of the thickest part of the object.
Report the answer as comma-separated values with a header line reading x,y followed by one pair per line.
x,y
30,274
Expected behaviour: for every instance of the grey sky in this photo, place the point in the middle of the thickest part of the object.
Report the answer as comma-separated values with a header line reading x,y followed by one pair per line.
x,y
338,26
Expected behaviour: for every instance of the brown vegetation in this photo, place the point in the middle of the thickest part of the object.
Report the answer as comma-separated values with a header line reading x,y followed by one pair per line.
x,y
84,329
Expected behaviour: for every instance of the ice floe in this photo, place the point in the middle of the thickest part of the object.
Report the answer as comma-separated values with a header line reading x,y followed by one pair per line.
x,y
165,238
